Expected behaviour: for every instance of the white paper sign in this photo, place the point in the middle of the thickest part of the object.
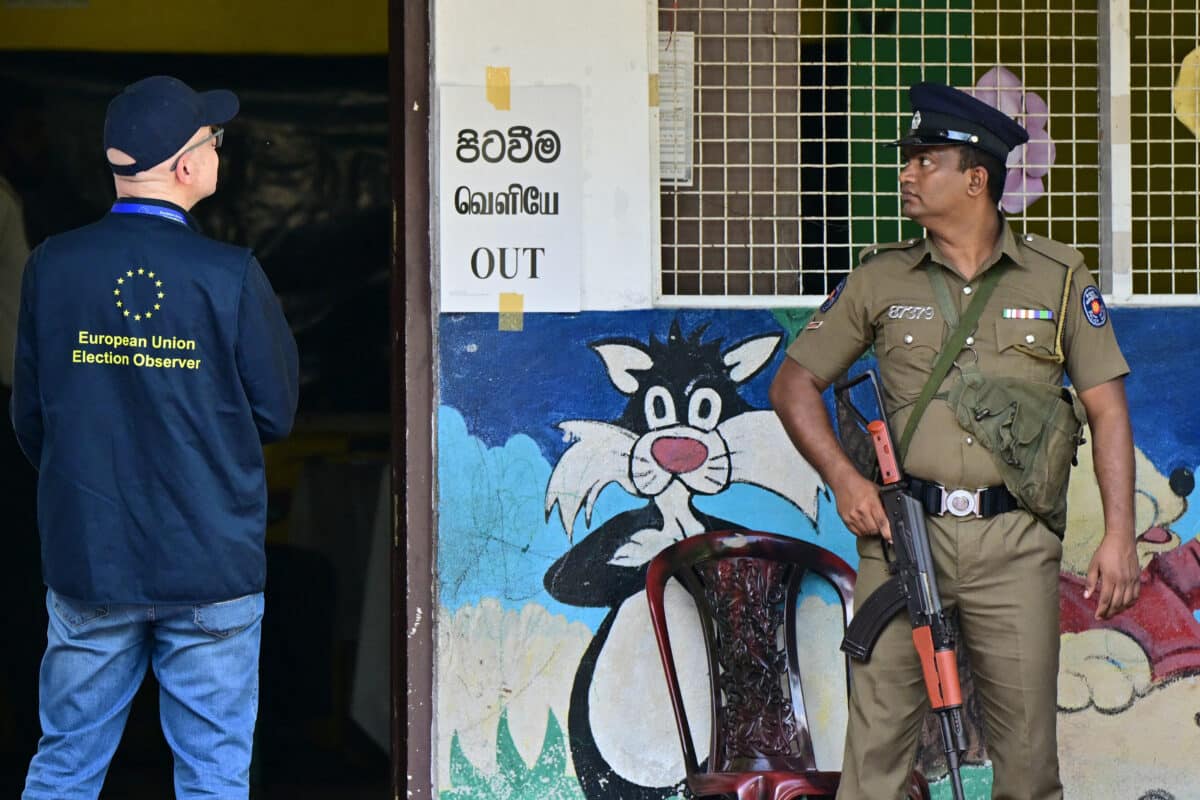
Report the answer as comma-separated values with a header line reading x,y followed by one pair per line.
x,y
509,197
676,60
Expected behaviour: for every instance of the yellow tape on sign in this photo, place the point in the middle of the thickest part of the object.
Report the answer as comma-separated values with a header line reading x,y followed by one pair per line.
x,y
512,311
654,90
499,93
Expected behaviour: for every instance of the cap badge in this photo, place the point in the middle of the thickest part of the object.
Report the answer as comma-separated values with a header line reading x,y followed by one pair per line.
x,y
916,120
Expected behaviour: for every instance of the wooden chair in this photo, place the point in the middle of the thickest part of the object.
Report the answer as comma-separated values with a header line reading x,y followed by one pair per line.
x,y
745,586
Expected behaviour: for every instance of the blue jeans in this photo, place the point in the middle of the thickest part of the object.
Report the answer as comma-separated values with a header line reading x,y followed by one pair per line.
x,y
206,660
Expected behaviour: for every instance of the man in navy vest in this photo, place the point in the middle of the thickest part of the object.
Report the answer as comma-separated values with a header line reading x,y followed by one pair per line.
x,y
152,364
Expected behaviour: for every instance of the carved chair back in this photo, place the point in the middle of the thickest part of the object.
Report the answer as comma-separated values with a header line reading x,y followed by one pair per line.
x,y
746,586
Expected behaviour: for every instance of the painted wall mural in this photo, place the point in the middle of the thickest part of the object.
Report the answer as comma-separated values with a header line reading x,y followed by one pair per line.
x,y
570,453
1187,92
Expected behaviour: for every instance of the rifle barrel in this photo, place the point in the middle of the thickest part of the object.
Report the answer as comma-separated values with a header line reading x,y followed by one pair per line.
x,y
950,743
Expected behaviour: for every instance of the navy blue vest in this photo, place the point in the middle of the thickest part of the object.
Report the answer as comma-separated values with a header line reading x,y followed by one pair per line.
x,y
152,364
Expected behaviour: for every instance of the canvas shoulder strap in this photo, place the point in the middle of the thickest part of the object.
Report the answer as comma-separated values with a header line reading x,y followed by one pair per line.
x,y
952,345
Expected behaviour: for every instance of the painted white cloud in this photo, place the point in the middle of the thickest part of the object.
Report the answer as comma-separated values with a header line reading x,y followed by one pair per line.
x,y
819,629
1147,751
490,658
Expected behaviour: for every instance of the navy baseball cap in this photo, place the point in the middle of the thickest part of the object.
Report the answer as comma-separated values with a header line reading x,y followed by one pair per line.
x,y
945,115
152,119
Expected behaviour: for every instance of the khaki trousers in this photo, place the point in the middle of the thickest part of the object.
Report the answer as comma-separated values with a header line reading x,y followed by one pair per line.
x,y
1002,576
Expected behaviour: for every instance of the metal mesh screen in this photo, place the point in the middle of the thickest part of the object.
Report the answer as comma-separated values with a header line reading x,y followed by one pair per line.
x,y
770,152
792,100
1051,46
1164,126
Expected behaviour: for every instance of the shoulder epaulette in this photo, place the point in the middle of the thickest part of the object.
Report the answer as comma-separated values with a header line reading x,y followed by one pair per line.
x,y
1055,251
875,249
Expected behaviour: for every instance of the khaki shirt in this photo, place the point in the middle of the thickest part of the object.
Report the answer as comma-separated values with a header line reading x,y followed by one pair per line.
x,y
888,302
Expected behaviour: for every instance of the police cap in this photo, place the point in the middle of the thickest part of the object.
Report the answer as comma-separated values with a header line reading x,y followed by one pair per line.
x,y
945,115
152,119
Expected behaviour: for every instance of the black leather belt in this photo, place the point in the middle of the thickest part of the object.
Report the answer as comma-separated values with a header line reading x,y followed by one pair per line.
x,y
980,503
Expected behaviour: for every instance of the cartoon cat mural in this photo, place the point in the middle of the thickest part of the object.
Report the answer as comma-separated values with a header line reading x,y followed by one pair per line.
x,y
685,431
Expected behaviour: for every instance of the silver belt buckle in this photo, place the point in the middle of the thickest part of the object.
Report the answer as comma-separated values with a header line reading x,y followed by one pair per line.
x,y
960,502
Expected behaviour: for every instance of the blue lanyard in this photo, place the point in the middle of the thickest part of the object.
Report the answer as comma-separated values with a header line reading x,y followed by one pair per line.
x,y
123,207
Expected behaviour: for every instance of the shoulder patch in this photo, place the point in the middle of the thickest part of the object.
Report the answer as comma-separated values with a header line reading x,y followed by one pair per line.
x,y
1055,251
875,249
831,299
1093,307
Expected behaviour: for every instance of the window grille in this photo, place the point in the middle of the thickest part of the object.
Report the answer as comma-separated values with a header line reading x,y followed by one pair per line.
x,y
1164,80
766,214
1052,47
793,98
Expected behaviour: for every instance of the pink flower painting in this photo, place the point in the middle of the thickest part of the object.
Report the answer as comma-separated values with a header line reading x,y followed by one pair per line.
x,y
1029,163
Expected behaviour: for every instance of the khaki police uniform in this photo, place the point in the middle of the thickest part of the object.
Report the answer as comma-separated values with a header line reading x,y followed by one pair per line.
x,y
1001,573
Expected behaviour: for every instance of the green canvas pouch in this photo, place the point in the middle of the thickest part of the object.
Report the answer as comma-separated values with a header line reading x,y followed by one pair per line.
x,y
1032,430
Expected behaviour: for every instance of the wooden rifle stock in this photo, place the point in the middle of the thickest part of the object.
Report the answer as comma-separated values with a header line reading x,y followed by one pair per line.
x,y
888,468
913,585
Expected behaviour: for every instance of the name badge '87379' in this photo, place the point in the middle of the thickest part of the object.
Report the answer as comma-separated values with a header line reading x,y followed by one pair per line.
x,y
898,311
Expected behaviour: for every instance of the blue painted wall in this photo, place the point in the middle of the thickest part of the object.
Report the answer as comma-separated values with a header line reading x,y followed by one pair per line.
x,y
517,663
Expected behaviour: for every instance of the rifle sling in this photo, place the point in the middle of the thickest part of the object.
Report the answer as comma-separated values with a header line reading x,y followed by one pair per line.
x,y
952,345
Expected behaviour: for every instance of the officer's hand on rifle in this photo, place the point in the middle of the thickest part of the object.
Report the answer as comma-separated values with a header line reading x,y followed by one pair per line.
x,y
866,509
859,506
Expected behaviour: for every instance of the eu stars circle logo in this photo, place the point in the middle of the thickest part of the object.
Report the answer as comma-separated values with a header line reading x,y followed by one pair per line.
x,y
139,294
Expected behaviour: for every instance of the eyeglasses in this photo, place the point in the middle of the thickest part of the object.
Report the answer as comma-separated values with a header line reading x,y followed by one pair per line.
x,y
218,134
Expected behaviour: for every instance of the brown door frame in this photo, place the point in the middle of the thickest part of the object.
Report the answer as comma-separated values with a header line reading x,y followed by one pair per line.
x,y
413,549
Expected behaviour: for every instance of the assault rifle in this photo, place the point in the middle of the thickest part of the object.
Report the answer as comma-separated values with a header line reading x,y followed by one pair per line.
x,y
913,583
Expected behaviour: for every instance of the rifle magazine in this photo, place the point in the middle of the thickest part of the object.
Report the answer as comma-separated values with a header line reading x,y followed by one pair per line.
x,y
870,619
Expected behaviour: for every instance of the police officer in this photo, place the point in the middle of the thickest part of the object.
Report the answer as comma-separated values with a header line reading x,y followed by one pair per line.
x,y
997,562
152,364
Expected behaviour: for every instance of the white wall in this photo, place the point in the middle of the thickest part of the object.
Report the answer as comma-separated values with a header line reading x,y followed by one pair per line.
x,y
604,48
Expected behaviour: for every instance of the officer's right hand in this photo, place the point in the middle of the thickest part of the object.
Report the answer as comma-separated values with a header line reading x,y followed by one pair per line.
x,y
859,506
